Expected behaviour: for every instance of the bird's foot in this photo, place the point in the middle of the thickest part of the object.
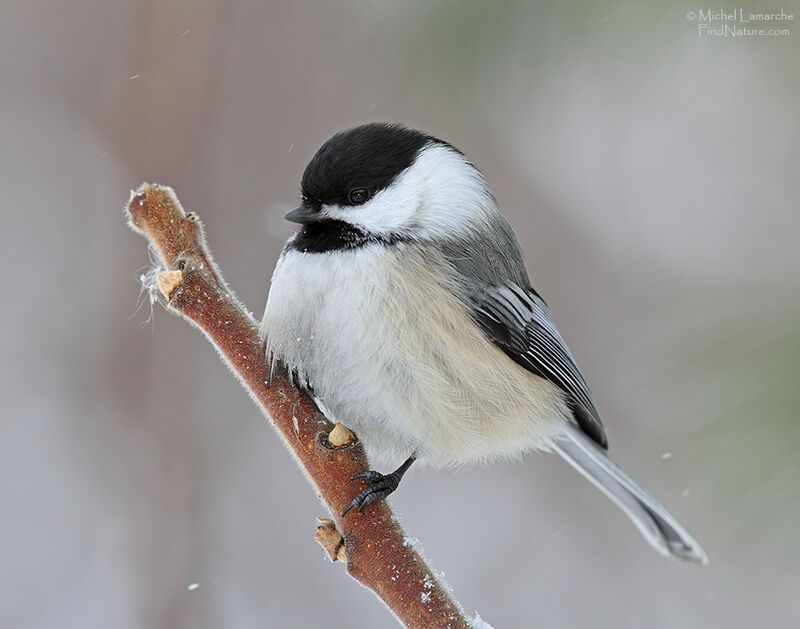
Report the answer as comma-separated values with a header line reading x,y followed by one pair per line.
x,y
380,486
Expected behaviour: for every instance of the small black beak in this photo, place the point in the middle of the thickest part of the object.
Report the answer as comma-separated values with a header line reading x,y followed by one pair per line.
x,y
302,215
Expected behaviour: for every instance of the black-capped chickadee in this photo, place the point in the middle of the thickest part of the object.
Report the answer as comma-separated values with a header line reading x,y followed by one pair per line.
x,y
403,303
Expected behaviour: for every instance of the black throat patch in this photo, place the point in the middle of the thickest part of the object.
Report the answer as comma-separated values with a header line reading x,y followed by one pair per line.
x,y
332,235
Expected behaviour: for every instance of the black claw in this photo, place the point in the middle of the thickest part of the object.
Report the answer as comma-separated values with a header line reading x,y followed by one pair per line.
x,y
350,506
381,485
275,369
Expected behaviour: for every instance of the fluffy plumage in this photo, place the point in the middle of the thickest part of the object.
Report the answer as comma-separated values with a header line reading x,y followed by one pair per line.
x,y
408,377
403,302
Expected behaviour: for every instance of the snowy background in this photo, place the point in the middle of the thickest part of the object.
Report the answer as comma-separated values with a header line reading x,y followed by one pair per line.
x,y
652,178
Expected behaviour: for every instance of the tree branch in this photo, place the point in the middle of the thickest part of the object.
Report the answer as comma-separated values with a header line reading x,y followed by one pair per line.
x,y
378,553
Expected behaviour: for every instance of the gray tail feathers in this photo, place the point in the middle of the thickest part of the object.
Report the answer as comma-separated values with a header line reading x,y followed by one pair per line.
x,y
653,521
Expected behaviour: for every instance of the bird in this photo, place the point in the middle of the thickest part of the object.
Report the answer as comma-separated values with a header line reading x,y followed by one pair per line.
x,y
401,302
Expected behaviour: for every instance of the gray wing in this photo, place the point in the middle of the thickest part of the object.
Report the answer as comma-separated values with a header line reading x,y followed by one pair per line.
x,y
515,318
518,322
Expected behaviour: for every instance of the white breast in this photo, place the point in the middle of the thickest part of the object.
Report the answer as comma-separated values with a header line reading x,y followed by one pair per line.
x,y
391,352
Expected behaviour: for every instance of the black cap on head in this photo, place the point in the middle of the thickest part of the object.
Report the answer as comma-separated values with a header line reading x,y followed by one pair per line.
x,y
368,157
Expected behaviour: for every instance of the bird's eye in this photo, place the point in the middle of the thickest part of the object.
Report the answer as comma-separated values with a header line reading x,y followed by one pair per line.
x,y
358,196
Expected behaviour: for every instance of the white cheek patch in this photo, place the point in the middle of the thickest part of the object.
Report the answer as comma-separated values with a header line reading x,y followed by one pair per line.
x,y
390,211
440,194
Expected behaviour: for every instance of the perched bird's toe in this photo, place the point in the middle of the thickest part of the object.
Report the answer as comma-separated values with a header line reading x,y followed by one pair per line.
x,y
381,485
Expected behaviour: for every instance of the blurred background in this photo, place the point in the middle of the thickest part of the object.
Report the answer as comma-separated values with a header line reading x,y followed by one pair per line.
x,y
652,177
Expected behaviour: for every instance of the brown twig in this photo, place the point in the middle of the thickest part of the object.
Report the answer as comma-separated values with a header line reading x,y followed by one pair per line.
x,y
377,552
